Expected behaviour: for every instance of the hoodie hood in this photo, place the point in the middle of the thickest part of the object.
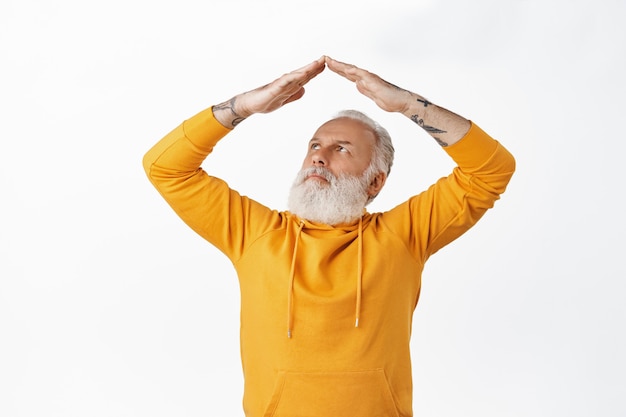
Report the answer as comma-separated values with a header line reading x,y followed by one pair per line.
x,y
312,227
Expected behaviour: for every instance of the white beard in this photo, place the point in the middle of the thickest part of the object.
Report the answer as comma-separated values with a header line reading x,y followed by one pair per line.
x,y
340,200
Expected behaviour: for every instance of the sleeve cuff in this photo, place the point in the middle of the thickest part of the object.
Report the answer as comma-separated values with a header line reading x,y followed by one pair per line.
x,y
473,149
203,129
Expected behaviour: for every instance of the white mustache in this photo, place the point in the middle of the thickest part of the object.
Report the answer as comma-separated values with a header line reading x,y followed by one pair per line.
x,y
321,171
340,200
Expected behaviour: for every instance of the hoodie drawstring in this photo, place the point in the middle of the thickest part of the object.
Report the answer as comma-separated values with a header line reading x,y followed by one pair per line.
x,y
359,272
292,276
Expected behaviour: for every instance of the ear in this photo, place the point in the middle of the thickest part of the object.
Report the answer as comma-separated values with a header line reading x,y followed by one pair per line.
x,y
376,184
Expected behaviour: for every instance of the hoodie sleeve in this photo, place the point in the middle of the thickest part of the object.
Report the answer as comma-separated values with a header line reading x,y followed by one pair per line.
x,y
452,205
205,203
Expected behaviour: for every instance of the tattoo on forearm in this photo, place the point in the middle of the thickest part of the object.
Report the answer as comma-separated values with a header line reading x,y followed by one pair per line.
x,y
425,102
430,129
440,142
230,106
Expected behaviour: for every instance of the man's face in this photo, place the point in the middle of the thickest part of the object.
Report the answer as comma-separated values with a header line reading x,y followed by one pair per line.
x,y
343,146
335,184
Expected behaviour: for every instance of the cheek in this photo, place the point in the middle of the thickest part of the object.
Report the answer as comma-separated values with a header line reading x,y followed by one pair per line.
x,y
356,168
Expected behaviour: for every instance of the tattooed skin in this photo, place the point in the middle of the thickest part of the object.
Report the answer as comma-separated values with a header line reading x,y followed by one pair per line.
x,y
425,102
430,129
230,106
440,142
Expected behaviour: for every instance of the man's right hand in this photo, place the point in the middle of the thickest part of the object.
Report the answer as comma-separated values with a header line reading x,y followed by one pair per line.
x,y
265,99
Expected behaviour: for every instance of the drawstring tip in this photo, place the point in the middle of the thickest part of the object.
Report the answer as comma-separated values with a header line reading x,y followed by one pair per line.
x,y
289,333
356,323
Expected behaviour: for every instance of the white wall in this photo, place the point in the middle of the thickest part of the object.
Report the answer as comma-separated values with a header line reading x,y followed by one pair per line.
x,y
111,306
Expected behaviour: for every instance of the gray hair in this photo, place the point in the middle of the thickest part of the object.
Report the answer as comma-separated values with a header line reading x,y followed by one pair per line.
x,y
382,159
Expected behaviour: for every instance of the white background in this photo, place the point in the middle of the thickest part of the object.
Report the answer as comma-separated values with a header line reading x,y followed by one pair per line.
x,y
111,306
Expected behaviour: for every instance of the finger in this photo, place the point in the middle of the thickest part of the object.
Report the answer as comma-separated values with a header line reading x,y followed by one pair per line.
x,y
333,64
348,71
302,75
290,83
308,72
336,66
312,70
320,62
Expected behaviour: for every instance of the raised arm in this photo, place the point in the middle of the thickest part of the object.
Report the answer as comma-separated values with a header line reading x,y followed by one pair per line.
x,y
265,99
445,126
204,202
454,203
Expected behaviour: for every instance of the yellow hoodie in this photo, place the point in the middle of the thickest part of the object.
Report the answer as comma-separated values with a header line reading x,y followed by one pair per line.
x,y
326,312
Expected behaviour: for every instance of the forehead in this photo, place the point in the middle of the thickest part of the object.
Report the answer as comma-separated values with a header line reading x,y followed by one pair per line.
x,y
346,130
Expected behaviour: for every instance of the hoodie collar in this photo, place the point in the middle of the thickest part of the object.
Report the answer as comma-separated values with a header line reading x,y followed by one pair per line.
x,y
359,270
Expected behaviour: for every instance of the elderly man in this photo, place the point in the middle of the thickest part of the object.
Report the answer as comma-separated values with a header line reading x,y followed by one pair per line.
x,y
328,290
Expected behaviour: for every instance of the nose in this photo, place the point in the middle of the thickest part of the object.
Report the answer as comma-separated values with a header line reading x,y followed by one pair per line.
x,y
318,158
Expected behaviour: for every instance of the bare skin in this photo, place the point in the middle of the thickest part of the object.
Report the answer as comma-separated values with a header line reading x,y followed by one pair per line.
x,y
344,146
443,125
267,98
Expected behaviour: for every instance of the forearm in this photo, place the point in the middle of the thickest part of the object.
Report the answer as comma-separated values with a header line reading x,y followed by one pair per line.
x,y
230,113
443,125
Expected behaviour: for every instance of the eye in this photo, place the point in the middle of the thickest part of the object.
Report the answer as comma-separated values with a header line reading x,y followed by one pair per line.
x,y
342,149
315,146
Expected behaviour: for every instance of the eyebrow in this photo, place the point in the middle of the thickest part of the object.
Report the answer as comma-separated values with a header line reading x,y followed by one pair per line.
x,y
338,142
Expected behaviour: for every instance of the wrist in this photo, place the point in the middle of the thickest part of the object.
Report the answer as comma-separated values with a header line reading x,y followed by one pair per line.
x,y
229,113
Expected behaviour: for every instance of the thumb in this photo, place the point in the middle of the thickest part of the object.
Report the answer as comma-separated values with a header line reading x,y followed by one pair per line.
x,y
295,96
